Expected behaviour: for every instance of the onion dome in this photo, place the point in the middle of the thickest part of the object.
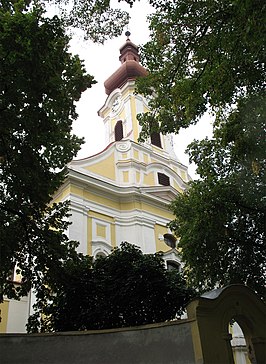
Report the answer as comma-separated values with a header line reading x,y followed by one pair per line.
x,y
130,68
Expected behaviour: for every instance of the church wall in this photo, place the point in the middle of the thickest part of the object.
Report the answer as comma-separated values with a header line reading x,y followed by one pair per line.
x,y
148,179
18,313
106,169
159,231
105,203
183,175
4,315
128,118
133,110
89,237
78,219
100,200
14,315
138,230
64,193
102,229
176,186
108,221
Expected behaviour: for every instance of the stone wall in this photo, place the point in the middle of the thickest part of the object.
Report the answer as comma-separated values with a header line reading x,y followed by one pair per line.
x,y
203,338
158,343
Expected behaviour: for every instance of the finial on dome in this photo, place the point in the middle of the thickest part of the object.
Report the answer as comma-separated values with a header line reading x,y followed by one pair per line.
x,y
127,34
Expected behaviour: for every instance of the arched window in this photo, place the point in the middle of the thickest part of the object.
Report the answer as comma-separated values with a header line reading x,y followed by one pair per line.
x,y
156,139
170,240
100,254
118,131
171,265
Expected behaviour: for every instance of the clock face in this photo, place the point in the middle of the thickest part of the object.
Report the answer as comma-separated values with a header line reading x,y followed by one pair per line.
x,y
116,103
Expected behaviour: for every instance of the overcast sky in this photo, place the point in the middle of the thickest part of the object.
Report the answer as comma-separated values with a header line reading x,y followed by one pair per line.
x,y
101,61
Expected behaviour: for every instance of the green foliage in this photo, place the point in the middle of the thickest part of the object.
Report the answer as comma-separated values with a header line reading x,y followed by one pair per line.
x,y
126,288
202,55
221,218
40,81
210,55
96,18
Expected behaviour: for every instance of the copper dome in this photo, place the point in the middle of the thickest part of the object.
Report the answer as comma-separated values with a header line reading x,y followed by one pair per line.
x,y
129,69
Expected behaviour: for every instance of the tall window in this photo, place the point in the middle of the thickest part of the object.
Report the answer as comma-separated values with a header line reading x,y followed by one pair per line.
x,y
163,179
118,131
156,139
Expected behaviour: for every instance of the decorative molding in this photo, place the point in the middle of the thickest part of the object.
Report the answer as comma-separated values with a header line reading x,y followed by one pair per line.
x,y
172,256
123,146
134,220
100,246
104,223
78,204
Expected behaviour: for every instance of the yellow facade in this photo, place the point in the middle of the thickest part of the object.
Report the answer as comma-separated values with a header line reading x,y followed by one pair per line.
x,y
160,230
3,315
105,168
126,176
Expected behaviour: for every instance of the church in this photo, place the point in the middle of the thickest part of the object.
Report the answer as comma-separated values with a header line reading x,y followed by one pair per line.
x,y
123,192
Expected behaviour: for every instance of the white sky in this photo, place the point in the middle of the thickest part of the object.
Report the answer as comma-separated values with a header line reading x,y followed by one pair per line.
x,y
101,61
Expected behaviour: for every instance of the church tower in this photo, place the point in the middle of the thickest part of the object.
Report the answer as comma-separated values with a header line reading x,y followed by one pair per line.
x,y
122,104
123,193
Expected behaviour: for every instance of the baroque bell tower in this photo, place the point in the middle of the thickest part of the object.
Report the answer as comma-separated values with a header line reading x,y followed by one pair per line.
x,y
122,105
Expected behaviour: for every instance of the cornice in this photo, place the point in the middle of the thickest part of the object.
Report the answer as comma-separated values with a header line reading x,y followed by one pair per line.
x,y
121,217
115,192
163,159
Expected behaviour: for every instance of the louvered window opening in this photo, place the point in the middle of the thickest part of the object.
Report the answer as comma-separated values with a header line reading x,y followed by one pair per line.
x,y
163,179
118,131
156,139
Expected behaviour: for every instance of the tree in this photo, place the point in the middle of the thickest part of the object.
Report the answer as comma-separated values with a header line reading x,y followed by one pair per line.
x,y
40,81
210,55
126,288
221,218
203,55
96,18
